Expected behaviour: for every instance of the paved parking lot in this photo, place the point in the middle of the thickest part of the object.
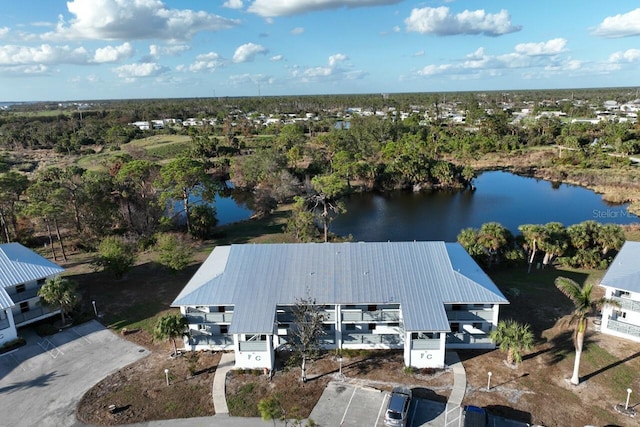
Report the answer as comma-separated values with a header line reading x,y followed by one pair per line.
x,y
343,404
42,382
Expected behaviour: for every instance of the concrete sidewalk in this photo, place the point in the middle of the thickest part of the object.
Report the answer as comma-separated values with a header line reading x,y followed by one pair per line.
x,y
219,381
453,411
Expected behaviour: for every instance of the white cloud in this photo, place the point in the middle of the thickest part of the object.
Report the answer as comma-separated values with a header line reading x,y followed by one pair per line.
x,y
131,72
276,58
418,53
113,53
247,52
206,62
233,4
334,60
331,72
629,55
134,20
622,25
4,31
431,70
156,51
273,8
441,21
24,70
43,54
296,31
396,29
551,47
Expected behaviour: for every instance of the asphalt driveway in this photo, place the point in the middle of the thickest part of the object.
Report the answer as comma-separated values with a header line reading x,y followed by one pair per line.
x,y
42,382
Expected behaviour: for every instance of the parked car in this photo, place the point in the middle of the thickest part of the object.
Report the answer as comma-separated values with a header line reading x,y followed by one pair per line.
x,y
397,413
475,417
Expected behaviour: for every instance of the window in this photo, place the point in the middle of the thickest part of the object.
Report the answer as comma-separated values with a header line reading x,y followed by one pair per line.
x,y
456,307
350,327
41,282
224,329
202,327
221,309
372,326
372,307
477,325
455,327
624,294
24,307
20,288
622,314
327,327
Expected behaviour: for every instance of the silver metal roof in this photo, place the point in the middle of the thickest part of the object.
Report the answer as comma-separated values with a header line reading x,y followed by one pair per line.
x,y
19,265
624,271
421,276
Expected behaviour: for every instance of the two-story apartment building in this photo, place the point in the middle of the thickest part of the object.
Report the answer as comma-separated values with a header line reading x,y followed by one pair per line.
x,y
421,297
622,284
22,274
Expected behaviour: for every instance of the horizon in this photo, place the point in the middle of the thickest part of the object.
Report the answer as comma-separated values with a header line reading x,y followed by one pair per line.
x,y
154,49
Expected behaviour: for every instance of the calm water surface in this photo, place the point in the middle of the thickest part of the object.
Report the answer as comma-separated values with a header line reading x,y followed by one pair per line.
x,y
500,196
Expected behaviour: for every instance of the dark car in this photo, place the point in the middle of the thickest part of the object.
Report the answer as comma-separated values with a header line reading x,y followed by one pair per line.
x,y
397,412
475,417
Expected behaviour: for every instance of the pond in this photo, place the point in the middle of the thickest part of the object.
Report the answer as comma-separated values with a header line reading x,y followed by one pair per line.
x,y
502,197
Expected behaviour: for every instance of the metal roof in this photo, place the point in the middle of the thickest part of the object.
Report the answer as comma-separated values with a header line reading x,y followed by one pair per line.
x,y
624,271
19,265
420,276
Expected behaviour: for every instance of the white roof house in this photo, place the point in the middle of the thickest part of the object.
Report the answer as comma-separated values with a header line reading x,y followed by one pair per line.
x,y
422,281
22,274
622,284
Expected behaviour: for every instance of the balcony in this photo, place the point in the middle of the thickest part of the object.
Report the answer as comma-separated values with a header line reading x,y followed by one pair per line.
x,y
372,339
470,315
627,304
197,317
391,315
328,316
253,345
4,323
34,313
198,338
27,294
624,328
465,338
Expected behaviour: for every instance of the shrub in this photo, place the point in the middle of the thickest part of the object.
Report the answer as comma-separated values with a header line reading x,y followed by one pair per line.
x,y
174,252
115,254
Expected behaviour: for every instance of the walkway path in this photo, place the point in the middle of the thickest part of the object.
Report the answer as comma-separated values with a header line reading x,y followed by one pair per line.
x,y
453,411
219,380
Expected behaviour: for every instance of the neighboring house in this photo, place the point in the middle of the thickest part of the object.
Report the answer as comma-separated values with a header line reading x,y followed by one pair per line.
x,y
422,297
622,284
22,274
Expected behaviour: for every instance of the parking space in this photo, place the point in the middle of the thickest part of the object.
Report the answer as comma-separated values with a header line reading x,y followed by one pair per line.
x,y
42,382
344,404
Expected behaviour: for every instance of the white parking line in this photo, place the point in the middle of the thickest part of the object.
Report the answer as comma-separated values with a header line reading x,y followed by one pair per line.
x,y
348,404
15,359
382,406
50,348
84,338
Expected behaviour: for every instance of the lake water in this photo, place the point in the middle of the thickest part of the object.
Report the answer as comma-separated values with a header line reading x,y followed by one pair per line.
x,y
502,197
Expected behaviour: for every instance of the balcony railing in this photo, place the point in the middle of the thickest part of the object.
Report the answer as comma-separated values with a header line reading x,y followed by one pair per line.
x,y
328,316
391,315
195,318
464,338
627,304
211,340
24,295
426,344
625,328
4,323
20,318
253,345
387,339
470,315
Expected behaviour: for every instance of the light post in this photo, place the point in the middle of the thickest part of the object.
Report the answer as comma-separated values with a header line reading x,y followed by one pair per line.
x,y
489,380
626,405
340,362
95,310
166,375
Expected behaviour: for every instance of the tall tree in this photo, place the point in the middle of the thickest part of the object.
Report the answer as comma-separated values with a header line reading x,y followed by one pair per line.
x,y
169,327
495,239
300,223
184,178
60,293
533,234
513,338
328,189
12,186
584,304
307,329
555,244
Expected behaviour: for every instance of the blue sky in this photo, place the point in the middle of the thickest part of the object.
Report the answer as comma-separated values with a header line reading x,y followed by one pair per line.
x,y
113,49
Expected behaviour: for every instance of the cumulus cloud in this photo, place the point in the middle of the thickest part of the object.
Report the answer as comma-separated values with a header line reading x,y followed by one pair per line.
x,y
11,55
551,47
233,4
622,25
333,71
629,55
441,21
276,58
132,72
156,51
208,62
296,31
4,31
113,53
247,52
418,53
431,70
334,60
274,8
134,20
24,70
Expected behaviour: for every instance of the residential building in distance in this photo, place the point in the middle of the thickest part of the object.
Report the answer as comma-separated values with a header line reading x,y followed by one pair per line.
x,y
22,274
622,284
421,297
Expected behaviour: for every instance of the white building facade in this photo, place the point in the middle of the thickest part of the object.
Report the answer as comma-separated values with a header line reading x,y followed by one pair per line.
x,y
419,297
622,284
22,274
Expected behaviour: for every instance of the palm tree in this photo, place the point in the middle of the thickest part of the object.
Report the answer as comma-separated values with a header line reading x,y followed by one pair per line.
x,y
533,235
584,304
59,293
514,338
169,327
